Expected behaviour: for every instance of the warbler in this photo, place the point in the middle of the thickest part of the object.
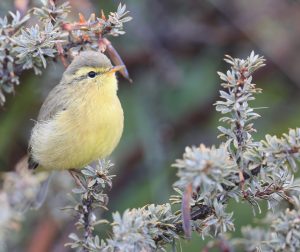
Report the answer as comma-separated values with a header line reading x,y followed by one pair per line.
x,y
81,120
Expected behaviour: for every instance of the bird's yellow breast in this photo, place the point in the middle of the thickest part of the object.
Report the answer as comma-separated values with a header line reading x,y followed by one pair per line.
x,y
88,129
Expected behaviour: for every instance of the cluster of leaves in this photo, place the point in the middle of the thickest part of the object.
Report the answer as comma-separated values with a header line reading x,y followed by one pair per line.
x,y
8,67
24,47
142,229
92,183
208,174
241,168
283,234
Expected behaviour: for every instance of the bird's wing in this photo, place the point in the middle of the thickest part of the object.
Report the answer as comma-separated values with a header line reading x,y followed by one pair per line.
x,y
55,102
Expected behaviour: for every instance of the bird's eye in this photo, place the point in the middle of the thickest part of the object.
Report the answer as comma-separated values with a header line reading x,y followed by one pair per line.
x,y
91,74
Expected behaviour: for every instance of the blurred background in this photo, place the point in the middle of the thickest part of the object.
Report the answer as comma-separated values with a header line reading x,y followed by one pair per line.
x,y
172,49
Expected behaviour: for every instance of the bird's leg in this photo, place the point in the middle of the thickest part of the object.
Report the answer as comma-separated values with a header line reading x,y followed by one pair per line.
x,y
76,176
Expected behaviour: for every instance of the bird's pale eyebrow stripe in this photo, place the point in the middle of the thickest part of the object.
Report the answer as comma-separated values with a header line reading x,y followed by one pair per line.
x,y
85,70
84,73
84,76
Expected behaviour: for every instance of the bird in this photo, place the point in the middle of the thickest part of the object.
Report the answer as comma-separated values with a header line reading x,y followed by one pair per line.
x,y
81,120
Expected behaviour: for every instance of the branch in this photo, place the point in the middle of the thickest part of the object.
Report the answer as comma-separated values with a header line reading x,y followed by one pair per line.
x,y
53,38
261,168
93,182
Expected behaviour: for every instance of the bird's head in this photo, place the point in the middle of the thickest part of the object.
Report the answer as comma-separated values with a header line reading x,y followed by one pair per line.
x,y
91,68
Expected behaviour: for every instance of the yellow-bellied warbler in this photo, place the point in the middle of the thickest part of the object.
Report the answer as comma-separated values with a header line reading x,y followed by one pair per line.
x,y
81,120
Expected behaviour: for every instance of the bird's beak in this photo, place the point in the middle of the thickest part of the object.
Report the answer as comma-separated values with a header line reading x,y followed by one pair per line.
x,y
115,69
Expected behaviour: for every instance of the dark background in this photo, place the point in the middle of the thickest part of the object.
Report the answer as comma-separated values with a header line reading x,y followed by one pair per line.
x,y
172,49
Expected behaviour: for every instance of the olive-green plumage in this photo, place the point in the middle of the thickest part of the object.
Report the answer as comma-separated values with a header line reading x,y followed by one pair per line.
x,y
81,120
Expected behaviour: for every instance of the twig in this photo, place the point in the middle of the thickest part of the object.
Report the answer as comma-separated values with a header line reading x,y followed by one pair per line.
x,y
88,229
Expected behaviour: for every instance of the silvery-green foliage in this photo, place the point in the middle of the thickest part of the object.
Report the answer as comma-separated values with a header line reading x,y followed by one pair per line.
x,y
274,160
283,234
254,239
33,45
239,91
18,191
7,26
117,19
92,244
100,174
24,47
212,175
241,168
91,185
280,153
161,223
268,164
217,223
143,229
22,187
257,161
285,231
130,232
273,189
205,168
57,13
30,47
8,67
